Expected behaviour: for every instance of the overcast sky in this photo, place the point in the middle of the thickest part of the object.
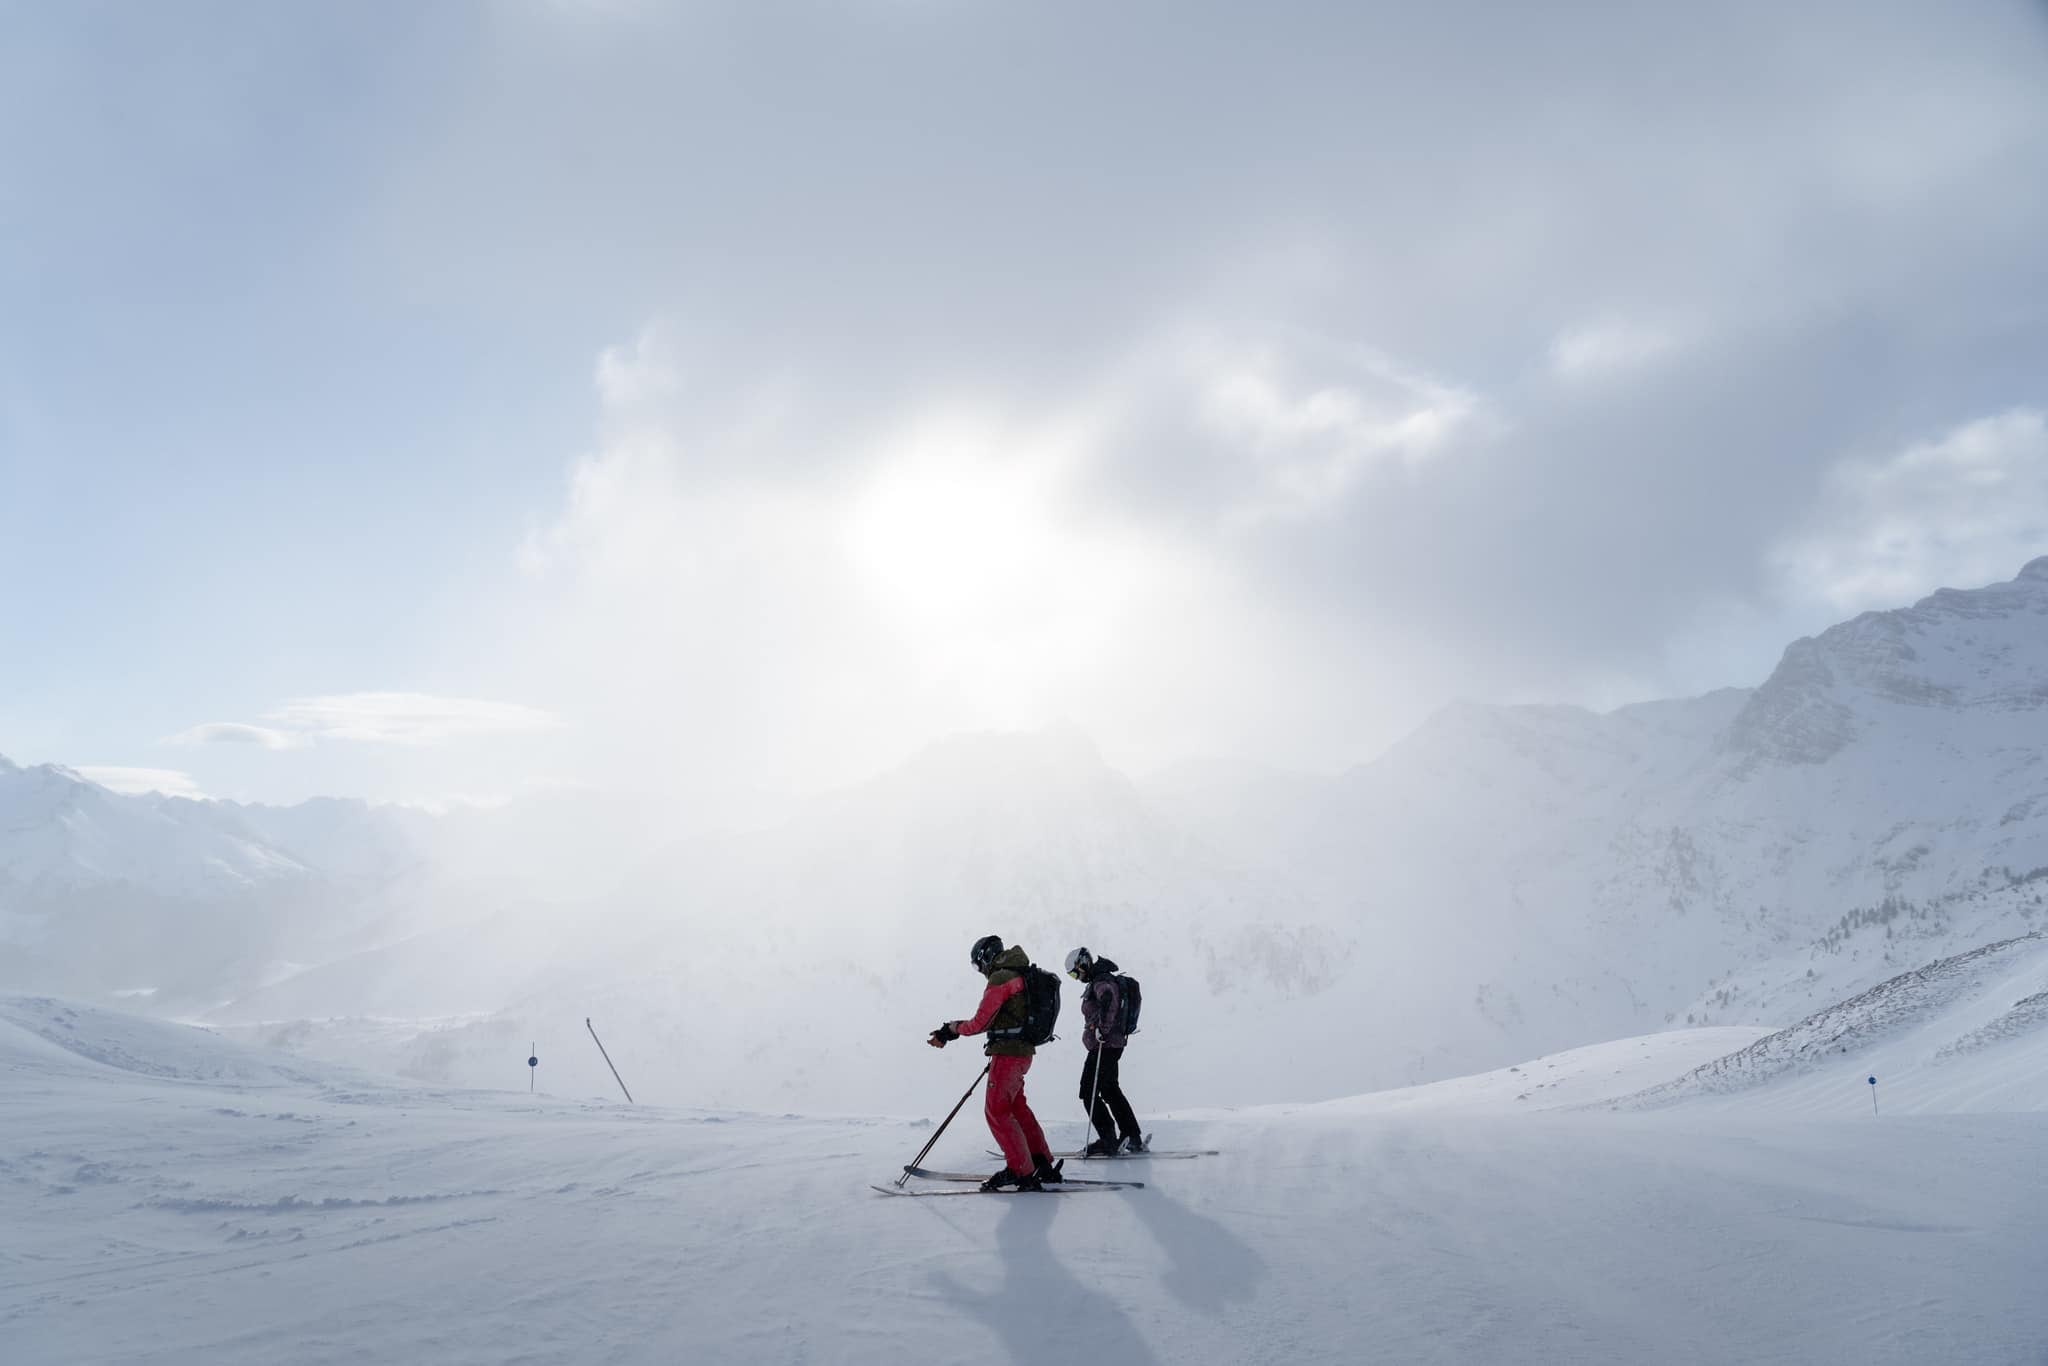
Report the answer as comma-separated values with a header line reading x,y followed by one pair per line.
x,y
422,401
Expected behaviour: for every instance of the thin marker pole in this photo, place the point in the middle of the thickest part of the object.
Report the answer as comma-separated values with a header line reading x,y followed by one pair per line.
x,y
1873,1095
532,1064
607,1059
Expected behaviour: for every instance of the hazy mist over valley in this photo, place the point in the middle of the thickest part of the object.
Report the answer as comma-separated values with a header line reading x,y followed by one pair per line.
x,y
1504,882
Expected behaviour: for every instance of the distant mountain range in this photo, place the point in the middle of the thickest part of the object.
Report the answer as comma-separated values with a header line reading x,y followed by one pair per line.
x,y
61,833
175,904
1505,882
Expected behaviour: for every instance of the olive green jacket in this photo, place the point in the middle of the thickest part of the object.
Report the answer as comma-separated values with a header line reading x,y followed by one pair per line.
x,y
1002,1005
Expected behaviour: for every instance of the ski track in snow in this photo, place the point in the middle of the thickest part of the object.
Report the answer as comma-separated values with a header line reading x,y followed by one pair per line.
x,y
160,1214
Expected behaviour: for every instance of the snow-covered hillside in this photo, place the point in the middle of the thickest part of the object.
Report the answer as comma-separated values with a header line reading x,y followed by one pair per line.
x,y
170,1198
1964,1033
1555,875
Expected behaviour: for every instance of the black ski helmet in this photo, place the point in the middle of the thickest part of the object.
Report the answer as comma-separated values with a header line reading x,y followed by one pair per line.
x,y
987,949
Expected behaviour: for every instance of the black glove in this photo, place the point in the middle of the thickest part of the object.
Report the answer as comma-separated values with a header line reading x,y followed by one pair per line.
x,y
943,1035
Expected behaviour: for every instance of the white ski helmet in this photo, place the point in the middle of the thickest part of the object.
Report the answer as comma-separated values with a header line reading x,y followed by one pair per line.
x,y
1078,963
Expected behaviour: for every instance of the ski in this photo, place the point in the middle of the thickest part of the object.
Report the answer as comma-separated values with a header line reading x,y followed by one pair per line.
x,y
1170,1153
1079,1188
931,1175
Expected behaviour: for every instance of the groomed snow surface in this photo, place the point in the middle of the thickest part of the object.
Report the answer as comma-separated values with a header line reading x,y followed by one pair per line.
x,y
166,1196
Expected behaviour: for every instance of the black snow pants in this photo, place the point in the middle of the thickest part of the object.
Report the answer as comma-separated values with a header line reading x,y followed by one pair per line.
x,y
1112,1112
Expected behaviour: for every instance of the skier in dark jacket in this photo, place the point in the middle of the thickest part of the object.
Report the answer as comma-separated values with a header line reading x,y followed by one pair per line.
x,y
1027,1157
1102,1034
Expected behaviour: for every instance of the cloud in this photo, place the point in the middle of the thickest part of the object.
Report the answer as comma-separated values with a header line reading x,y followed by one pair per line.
x,y
1221,404
526,790
648,370
1219,517
235,733
1562,392
135,781
1604,350
804,601
1309,418
1966,509
385,718
740,596
402,718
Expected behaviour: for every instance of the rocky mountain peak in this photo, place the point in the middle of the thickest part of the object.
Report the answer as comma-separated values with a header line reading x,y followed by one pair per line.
x,y
1956,649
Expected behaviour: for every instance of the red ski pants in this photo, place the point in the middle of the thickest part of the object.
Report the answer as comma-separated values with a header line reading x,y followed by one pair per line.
x,y
1009,1114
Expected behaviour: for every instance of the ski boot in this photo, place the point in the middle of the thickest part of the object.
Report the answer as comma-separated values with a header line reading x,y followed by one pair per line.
x,y
1048,1171
1136,1144
1101,1147
1009,1180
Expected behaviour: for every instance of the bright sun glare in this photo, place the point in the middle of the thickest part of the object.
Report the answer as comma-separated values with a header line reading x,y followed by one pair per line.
x,y
962,544
952,534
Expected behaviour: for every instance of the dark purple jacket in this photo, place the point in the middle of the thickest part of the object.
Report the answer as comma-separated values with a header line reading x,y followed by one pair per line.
x,y
1102,1013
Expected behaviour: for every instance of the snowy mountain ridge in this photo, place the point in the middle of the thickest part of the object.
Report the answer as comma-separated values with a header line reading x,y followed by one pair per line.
x,y
1983,649
1589,871
62,832
178,902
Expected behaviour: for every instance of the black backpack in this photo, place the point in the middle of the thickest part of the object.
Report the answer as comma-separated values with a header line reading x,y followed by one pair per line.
x,y
1128,994
1041,1009
1133,998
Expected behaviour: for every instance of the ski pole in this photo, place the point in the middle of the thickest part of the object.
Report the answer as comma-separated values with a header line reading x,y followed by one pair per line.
x,y
918,1161
607,1059
1095,1099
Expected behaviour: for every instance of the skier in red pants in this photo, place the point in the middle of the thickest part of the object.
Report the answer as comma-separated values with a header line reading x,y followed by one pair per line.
x,y
1027,1157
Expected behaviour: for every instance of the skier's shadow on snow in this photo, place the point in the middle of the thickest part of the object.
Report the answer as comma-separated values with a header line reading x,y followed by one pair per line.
x,y
1039,1297
1211,1266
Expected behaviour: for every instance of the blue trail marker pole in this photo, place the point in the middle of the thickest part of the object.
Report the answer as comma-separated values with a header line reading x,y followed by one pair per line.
x,y
532,1065
1873,1095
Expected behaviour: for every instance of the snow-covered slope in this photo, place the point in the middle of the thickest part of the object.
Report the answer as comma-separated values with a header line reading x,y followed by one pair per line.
x,y
44,1040
1576,1077
1964,1033
163,1206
